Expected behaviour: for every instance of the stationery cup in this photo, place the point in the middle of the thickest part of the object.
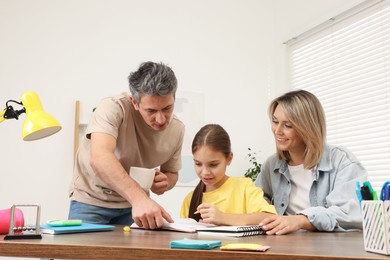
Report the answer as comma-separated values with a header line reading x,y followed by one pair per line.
x,y
143,176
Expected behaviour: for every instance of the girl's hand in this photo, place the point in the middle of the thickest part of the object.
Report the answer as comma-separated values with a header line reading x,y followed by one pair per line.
x,y
210,214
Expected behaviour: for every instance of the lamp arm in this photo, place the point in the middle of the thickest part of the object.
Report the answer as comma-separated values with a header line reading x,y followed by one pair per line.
x,y
9,112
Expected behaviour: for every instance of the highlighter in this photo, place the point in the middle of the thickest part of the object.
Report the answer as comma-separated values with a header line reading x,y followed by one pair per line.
x,y
64,223
358,192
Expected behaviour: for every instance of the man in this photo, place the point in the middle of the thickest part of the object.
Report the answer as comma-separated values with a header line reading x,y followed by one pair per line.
x,y
137,130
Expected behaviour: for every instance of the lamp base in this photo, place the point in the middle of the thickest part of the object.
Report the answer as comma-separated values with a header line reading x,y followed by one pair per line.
x,y
23,236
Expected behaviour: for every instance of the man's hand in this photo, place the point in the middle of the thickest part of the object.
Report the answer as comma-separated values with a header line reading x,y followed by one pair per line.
x,y
280,225
160,183
148,214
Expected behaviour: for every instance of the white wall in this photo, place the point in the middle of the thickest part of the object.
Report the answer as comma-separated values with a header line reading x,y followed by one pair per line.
x,y
275,22
230,51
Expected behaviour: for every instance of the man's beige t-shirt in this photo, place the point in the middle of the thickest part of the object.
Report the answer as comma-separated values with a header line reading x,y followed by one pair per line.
x,y
138,145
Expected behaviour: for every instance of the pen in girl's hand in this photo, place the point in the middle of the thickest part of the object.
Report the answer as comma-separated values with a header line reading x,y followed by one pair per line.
x,y
215,202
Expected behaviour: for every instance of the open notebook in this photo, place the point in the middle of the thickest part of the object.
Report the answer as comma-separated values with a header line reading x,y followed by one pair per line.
x,y
187,225
190,225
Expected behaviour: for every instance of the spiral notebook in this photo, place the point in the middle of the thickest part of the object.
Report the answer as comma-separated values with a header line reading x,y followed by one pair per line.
x,y
232,231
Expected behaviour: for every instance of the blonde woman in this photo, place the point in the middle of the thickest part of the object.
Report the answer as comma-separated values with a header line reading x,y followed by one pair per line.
x,y
311,184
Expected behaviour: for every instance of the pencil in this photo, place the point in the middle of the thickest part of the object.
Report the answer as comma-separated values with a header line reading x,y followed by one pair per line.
x,y
215,202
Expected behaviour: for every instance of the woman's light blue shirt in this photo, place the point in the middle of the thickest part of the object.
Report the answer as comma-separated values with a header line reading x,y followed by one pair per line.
x,y
334,204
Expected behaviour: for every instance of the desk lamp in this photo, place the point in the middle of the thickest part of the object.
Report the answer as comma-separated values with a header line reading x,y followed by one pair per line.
x,y
38,125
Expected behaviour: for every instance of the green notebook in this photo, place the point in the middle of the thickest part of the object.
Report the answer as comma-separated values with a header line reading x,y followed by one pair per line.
x,y
195,243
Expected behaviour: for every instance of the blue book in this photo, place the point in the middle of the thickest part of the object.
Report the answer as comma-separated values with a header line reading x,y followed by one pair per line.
x,y
84,227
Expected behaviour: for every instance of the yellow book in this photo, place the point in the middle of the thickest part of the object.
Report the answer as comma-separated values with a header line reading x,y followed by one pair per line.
x,y
244,247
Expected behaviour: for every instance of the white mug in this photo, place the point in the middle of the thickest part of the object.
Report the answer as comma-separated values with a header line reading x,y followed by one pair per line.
x,y
143,176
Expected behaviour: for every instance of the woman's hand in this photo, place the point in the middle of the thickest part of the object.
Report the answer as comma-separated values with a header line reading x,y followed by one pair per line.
x,y
280,225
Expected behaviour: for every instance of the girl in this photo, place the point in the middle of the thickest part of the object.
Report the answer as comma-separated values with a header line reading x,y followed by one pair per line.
x,y
219,199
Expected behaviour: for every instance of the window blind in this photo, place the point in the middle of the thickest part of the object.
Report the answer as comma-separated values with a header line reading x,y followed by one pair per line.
x,y
347,66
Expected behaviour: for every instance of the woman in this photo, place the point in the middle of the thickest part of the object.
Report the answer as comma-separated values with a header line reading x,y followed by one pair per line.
x,y
311,184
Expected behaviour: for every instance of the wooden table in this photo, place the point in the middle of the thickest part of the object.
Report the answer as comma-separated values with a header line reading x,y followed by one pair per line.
x,y
140,244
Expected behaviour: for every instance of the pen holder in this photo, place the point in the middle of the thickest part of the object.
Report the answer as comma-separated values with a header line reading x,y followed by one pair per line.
x,y
376,226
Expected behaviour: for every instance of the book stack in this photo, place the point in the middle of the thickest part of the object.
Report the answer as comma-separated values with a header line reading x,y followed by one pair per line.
x,y
84,227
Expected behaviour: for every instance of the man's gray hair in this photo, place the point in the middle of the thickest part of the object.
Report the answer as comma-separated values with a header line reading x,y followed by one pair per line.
x,y
152,79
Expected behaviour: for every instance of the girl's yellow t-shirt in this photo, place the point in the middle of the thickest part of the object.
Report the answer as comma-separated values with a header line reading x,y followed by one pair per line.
x,y
238,195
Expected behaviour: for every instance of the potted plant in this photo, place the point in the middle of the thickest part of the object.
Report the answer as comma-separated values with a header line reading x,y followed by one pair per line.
x,y
255,167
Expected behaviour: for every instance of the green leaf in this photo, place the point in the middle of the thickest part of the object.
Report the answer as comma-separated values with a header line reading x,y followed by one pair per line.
x,y
255,168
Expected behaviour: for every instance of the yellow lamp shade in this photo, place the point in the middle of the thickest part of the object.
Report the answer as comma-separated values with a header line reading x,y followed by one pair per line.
x,y
38,123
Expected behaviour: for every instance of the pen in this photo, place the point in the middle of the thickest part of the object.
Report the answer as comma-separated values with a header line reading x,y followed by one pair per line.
x,y
215,202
